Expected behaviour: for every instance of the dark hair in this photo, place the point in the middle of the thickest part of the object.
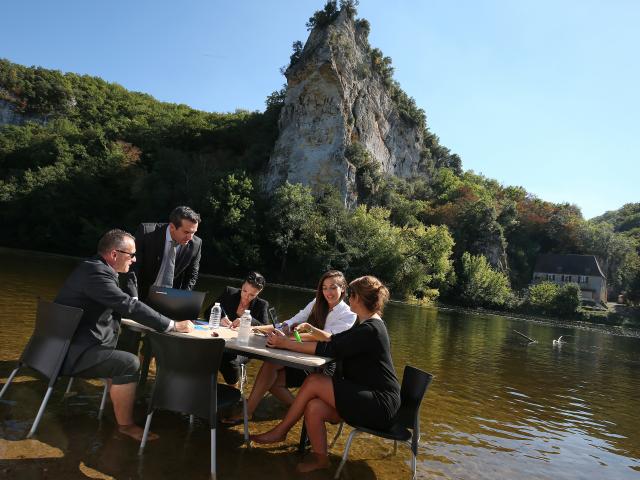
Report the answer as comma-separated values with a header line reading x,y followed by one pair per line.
x,y
183,213
371,292
113,240
256,280
320,310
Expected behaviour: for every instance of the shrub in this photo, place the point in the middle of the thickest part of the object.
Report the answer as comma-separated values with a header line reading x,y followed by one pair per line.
x,y
482,286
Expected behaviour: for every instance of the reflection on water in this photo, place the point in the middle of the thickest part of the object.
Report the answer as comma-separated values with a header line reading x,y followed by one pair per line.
x,y
497,408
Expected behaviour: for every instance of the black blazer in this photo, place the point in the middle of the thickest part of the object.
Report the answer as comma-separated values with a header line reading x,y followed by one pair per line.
x,y
93,287
230,300
150,243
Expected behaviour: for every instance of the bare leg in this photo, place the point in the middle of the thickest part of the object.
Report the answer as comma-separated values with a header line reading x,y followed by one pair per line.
x,y
316,385
123,398
315,416
266,378
279,388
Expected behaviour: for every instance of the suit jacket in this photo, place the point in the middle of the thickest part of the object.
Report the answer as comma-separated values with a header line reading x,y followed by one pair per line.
x,y
93,287
150,243
229,301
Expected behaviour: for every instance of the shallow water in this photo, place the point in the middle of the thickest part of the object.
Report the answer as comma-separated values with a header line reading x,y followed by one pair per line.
x,y
496,409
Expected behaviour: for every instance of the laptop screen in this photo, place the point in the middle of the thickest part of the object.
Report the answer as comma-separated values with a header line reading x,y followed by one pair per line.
x,y
174,303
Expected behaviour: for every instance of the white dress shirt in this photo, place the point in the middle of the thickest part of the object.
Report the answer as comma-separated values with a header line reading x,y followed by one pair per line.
x,y
339,319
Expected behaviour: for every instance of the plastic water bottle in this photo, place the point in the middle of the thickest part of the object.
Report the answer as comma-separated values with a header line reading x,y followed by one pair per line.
x,y
214,317
245,327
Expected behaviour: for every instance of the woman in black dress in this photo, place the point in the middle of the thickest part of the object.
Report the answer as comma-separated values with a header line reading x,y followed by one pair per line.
x,y
234,301
365,392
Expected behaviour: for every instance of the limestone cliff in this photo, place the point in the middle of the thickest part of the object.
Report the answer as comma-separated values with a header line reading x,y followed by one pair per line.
x,y
9,115
336,97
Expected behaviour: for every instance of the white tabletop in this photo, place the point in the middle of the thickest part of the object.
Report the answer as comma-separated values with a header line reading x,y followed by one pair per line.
x,y
255,348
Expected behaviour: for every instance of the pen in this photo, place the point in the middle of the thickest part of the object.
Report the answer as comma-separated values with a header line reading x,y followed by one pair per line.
x,y
297,336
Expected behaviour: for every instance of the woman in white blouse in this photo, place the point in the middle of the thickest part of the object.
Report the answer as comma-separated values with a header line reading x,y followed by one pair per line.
x,y
327,312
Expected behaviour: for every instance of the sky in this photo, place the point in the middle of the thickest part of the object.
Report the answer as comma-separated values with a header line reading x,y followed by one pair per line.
x,y
535,93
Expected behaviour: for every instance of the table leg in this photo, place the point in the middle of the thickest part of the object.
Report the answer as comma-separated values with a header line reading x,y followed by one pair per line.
x,y
304,439
146,361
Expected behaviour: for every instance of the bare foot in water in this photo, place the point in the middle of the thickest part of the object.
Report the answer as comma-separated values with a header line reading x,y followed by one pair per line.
x,y
315,461
268,437
136,432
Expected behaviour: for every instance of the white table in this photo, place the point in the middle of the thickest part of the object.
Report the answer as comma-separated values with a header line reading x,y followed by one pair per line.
x,y
255,348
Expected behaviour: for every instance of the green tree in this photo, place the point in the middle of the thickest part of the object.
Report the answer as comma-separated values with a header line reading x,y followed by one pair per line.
x,y
481,285
293,224
541,297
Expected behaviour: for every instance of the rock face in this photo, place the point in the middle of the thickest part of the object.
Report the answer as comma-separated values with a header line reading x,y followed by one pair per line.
x,y
335,98
9,116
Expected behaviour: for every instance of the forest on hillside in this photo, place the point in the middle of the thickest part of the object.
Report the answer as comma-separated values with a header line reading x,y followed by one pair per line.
x,y
95,156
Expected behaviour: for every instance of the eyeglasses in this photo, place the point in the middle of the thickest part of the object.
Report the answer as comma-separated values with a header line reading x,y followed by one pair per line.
x,y
132,255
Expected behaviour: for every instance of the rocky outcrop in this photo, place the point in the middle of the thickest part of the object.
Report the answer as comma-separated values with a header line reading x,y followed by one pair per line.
x,y
336,97
10,116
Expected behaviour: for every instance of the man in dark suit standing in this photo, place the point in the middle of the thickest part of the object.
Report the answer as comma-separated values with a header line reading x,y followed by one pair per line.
x,y
168,254
93,287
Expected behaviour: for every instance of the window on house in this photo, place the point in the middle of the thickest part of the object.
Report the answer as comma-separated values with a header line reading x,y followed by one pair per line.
x,y
566,278
584,279
551,277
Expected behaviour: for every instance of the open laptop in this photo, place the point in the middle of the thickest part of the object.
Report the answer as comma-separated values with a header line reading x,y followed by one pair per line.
x,y
174,303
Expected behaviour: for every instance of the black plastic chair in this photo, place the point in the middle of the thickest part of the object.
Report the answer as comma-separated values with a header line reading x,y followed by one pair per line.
x,y
186,381
48,347
406,425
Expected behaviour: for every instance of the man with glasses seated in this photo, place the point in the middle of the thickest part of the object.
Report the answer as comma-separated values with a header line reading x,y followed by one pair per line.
x,y
93,287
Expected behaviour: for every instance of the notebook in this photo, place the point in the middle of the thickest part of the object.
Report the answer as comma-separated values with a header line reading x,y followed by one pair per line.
x,y
174,303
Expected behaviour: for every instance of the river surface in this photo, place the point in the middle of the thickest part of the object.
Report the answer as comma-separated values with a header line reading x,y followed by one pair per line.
x,y
497,409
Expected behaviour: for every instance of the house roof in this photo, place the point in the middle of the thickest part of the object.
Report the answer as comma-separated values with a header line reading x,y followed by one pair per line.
x,y
568,264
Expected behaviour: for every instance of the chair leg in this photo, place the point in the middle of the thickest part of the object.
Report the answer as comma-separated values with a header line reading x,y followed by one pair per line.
x,y
415,440
337,435
147,425
40,412
66,392
346,452
213,453
413,465
103,402
9,380
395,447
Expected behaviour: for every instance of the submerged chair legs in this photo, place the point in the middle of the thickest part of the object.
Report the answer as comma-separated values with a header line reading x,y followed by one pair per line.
x,y
346,452
103,402
9,380
43,405
147,425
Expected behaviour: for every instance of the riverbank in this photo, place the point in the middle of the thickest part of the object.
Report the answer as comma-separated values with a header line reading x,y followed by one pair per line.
x,y
630,329
609,322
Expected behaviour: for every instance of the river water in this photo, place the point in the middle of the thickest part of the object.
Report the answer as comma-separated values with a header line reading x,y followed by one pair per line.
x,y
497,409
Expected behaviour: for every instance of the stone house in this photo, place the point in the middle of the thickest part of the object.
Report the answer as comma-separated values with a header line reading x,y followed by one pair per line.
x,y
581,269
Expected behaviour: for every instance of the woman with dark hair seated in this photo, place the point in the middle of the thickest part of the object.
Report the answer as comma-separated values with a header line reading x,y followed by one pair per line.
x,y
328,313
234,301
366,392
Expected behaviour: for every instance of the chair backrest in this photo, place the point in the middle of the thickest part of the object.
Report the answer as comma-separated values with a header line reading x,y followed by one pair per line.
x,y
414,385
187,370
52,334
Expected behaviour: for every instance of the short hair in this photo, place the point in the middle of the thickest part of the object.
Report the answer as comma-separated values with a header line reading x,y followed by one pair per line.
x,y
371,292
183,213
256,280
113,240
